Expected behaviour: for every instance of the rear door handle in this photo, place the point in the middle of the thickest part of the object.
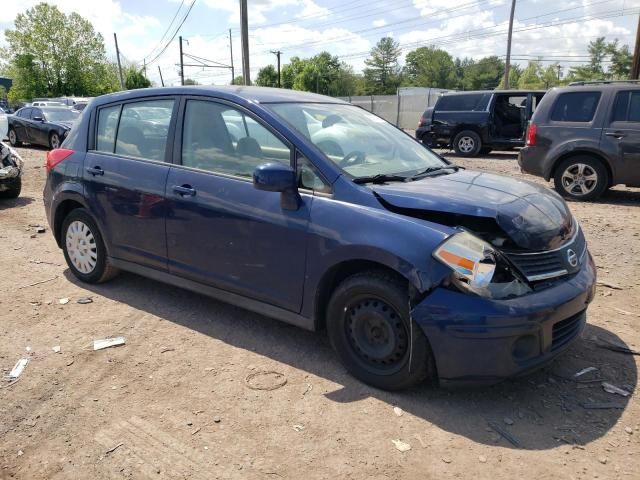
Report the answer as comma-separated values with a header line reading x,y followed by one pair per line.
x,y
184,190
95,171
617,135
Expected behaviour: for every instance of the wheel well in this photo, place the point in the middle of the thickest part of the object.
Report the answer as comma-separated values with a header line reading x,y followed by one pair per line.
x,y
335,275
600,158
61,213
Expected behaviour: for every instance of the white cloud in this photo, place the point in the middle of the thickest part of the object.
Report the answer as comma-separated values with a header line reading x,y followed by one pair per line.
x,y
379,23
312,9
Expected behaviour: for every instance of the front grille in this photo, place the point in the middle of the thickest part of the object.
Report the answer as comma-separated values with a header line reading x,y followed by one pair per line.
x,y
555,263
565,330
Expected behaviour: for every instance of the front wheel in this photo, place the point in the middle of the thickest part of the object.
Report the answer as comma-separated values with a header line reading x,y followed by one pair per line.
x,y
13,190
370,328
13,138
54,140
84,249
467,143
581,178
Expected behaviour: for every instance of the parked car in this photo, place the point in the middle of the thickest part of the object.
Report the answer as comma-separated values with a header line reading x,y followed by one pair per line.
x,y
474,123
79,106
47,103
416,267
11,166
46,126
587,138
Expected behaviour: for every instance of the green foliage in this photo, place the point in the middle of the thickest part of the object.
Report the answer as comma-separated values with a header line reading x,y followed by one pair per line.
x,y
239,80
430,67
267,77
485,74
53,54
322,73
382,75
531,77
190,81
133,78
599,50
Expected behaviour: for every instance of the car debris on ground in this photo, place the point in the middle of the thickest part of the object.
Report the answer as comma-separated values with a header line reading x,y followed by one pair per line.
x,y
610,388
402,446
108,342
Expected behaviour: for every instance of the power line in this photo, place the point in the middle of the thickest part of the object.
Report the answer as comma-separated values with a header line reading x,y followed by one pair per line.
x,y
166,31
184,19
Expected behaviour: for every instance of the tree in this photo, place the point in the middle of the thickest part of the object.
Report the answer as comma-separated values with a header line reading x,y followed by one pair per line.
x,y
53,54
135,79
531,76
549,76
239,80
430,67
382,75
267,77
619,68
485,74
621,59
190,81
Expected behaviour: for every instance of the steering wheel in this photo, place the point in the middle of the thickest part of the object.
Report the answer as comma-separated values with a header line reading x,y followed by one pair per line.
x,y
352,158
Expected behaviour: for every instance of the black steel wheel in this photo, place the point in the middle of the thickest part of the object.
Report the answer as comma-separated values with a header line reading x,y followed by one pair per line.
x,y
370,328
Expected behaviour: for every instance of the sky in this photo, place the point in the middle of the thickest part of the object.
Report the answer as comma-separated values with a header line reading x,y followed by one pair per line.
x,y
549,30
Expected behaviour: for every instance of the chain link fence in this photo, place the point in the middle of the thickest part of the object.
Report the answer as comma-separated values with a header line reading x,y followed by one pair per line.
x,y
403,109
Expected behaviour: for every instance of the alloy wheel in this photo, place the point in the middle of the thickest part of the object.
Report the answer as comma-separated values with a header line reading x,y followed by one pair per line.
x,y
81,247
12,137
466,144
579,179
55,141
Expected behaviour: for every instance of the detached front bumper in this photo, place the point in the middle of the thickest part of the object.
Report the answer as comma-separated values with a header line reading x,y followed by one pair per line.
x,y
482,341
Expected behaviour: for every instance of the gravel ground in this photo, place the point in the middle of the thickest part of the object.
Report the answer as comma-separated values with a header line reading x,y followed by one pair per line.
x,y
186,398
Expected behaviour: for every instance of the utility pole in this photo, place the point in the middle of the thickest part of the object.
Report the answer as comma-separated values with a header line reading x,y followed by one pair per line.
x,y
144,66
233,75
277,54
507,64
115,37
635,67
160,72
181,62
244,36
559,68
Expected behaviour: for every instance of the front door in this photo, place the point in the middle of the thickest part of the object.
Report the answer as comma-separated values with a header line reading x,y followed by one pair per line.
x,y
621,138
125,178
221,230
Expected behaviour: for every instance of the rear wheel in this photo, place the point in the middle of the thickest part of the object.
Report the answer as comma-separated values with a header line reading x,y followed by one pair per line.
x,y
581,178
15,186
370,328
467,143
13,138
84,248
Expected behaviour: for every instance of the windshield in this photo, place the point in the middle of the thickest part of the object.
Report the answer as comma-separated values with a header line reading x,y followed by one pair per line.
x,y
360,143
60,114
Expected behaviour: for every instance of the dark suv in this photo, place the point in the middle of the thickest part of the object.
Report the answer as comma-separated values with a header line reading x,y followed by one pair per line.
x,y
474,123
318,213
587,138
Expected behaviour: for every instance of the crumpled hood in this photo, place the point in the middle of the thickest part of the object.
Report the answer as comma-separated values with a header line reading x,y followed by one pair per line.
x,y
533,217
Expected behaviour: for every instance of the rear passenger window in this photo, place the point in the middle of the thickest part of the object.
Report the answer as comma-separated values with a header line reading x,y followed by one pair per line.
x,y
144,128
107,124
464,102
575,107
222,139
626,107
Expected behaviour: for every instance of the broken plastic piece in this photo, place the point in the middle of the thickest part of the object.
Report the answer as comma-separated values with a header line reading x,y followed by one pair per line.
x,y
18,368
609,388
402,446
108,342
585,370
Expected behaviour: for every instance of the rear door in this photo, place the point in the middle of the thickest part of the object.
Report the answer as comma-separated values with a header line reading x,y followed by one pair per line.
x,y
222,231
125,174
38,131
621,137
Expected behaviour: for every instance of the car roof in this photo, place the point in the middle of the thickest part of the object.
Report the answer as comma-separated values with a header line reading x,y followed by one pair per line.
x,y
54,108
510,92
230,92
598,87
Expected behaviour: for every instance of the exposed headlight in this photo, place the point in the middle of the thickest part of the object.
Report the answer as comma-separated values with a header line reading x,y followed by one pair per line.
x,y
473,260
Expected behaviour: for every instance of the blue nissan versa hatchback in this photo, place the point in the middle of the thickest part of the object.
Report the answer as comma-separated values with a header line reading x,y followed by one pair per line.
x,y
320,214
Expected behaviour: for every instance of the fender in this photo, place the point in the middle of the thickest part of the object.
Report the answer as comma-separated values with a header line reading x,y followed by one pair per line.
x,y
573,146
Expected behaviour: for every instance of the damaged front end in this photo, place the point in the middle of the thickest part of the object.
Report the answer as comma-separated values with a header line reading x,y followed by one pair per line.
x,y
11,167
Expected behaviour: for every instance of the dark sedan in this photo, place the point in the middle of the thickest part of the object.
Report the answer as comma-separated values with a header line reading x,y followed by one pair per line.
x,y
47,126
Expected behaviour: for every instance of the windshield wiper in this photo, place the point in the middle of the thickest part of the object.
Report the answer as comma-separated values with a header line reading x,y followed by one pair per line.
x,y
379,178
430,170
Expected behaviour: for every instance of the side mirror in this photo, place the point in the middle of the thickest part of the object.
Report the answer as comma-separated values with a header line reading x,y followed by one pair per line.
x,y
277,177
38,119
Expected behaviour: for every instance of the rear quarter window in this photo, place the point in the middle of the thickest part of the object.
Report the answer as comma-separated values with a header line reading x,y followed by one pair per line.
x,y
467,102
575,107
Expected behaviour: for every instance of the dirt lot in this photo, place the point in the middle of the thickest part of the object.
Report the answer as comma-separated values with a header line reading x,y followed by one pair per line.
x,y
175,401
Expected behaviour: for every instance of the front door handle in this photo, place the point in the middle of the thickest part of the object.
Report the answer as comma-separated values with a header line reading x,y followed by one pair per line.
x,y
95,170
184,190
617,135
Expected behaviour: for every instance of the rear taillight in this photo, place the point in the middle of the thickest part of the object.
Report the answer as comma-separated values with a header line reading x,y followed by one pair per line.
x,y
532,132
54,157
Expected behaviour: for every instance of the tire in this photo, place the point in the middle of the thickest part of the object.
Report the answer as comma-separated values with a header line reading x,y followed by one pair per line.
x,y
467,143
369,327
85,266
13,138
485,151
582,177
15,186
54,140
